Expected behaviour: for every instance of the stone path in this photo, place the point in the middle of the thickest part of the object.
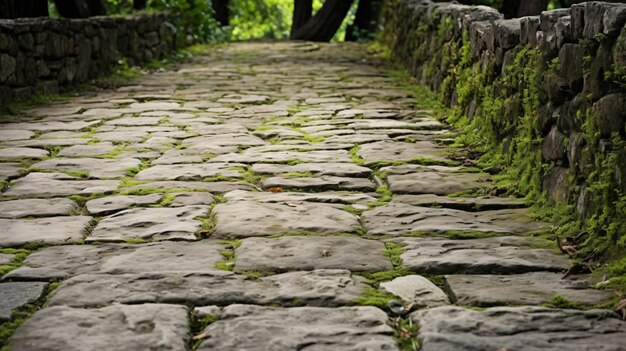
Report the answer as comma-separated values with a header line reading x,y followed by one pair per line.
x,y
281,196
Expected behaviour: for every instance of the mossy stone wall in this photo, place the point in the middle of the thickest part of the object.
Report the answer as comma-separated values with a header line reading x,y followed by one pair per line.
x,y
39,55
543,97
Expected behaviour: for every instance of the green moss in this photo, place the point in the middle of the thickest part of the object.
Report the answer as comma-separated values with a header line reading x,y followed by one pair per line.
x,y
374,297
131,172
355,157
197,324
208,226
254,275
135,241
355,211
298,175
167,200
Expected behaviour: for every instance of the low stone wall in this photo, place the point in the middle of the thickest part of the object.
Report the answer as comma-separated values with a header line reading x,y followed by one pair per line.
x,y
39,55
543,96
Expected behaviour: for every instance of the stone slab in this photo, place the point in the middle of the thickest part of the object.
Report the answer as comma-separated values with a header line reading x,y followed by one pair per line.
x,y
398,218
110,204
318,169
212,187
312,328
189,171
316,288
190,199
15,134
287,197
36,207
9,170
519,328
522,289
386,151
416,290
50,125
460,203
500,255
52,230
243,219
6,258
156,224
17,294
434,183
96,167
290,253
38,184
168,257
22,152
90,150
321,183
144,327
286,156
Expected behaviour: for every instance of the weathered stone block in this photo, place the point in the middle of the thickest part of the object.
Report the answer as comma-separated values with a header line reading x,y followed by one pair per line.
x,y
610,113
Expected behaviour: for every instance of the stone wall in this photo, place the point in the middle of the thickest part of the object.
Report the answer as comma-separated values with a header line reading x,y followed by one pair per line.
x,y
40,55
543,96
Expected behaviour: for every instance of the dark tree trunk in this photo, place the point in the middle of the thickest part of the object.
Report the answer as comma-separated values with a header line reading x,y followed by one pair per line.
x,y
302,12
324,25
139,4
72,8
220,7
23,8
96,8
532,7
365,20
509,8
519,8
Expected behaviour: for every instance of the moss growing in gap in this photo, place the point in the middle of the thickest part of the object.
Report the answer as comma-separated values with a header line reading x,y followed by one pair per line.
x,y
228,264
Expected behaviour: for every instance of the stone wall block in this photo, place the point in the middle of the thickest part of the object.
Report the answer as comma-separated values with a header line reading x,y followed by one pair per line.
x,y
528,30
553,147
571,57
508,33
548,20
613,20
610,113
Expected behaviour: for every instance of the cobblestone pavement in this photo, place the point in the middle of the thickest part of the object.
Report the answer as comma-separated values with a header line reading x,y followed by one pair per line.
x,y
271,196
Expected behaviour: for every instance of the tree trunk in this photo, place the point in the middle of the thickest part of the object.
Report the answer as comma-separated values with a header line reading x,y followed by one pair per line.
x,y
72,8
220,7
96,8
532,7
519,8
326,22
302,12
365,20
509,8
23,8
139,4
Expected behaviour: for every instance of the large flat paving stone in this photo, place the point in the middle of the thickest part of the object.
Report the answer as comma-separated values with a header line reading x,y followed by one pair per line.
x,y
110,204
173,185
22,152
453,328
144,327
9,170
57,184
300,328
17,294
417,290
285,157
90,150
318,169
286,197
438,183
189,171
156,224
167,257
534,288
51,230
501,255
247,218
316,288
319,183
237,139
311,252
50,125
399,218
96,167
36,208
387,151
460,203
16,134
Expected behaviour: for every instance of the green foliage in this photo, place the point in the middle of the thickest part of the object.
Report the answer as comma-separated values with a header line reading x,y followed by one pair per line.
x,y
193,18
254,19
